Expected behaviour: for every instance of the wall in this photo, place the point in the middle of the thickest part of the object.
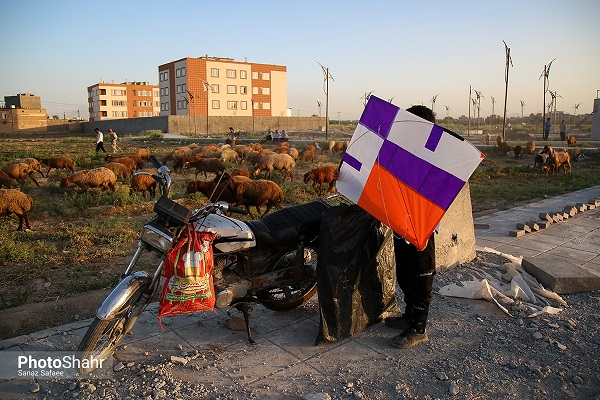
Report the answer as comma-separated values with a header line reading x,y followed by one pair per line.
x,y
128,125
185,124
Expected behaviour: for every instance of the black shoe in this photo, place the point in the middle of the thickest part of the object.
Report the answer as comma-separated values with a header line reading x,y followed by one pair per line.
x,y
402,322
409,338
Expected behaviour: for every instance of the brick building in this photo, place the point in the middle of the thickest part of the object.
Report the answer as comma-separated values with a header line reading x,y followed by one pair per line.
x,y
108,101
222,87
23,112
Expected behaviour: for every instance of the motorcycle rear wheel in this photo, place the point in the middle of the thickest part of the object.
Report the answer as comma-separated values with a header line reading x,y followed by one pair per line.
x,y
288,297
104,335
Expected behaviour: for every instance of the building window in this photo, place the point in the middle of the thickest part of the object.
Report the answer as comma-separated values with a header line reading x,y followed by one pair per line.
x,y
178,89
183,71
232,105
102,102
254,90
184,104
266,90
243,74
214,88
183,88
243,90
178,73
243,105
104,113
266,106
231,73
255,105
166,91
156,93
266,76
231,89
214,72
179,104
102,92
216,104
255,75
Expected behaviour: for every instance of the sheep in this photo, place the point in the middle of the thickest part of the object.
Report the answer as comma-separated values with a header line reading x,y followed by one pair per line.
x,y
217,189
59,163
256,157
340,147
557,159
176,154
256,146
576,153
179,164
144,154
144,183
126,161
504,146
229,155
6,180
206,165
488,138
262,192
100,177
308,154
518,150
121,171
17,202
20,172
499,140
280,162
571,140
540,160
321,175
241,172
530,148
138,162
34,163
242,150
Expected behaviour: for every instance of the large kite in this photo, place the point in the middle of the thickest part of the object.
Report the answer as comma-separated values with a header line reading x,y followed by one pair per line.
x,y
404,170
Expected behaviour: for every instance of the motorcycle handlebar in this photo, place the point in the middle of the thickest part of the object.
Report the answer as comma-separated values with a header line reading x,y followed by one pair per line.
x,y
155,162
238,210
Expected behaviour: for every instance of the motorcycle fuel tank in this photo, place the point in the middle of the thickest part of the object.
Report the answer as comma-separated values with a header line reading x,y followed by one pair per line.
x,y
232,234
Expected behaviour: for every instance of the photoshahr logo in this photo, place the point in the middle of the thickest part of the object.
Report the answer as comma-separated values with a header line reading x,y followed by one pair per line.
x,y
51,365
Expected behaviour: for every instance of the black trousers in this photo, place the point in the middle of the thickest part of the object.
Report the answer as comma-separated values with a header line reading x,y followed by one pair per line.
x,y
100,146
415,271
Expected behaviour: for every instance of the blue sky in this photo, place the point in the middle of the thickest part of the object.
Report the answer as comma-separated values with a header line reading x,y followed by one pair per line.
x,y
408,51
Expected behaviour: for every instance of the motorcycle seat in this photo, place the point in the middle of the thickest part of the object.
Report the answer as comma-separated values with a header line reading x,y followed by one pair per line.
x,y
282,227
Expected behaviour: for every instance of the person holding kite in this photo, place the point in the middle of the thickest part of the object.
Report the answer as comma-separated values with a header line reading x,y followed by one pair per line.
x,y
414,272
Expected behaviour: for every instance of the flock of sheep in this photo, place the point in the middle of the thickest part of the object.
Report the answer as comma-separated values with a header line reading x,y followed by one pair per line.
x,y
237,187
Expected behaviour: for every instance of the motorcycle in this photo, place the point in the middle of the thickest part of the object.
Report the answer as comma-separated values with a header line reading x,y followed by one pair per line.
x,y
270,261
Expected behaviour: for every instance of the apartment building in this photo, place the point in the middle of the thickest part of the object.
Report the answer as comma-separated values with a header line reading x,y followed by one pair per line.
x,y
222,87
123,100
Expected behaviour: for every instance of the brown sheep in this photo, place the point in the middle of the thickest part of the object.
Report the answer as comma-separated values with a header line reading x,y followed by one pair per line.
x,y
213,191
256,146
518,150
505,147
262,192
279,162
138,162
321,175
308,154
242,150
571,140
86,179
20,172
180,163
120,170
576,153
58,163
34,163
241,172
144,154
144,183
499,140
530,148
19,203
185,151
557,159
6,180
126,161
340,147
229,155
206,165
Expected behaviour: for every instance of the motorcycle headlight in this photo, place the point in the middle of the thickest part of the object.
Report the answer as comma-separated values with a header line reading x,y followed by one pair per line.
x,y
157,237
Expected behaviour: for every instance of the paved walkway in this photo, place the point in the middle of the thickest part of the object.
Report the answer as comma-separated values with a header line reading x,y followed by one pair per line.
x,y
566,252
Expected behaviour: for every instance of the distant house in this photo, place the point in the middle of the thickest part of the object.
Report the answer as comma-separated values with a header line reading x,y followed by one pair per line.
x,y
109,101
23,112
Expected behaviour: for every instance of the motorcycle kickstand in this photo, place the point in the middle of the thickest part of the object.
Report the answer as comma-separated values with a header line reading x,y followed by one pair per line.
x,y
246,309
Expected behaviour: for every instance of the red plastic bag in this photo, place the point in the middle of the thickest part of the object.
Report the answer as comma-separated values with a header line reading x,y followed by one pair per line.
x,y
188,273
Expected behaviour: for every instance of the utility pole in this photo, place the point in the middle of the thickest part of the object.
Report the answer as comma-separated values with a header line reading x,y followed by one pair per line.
x,y
506,70
469,118
522,107
327,76
493,103
545,75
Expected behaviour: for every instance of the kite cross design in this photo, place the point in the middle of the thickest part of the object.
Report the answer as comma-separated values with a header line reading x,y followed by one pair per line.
x,y
404,170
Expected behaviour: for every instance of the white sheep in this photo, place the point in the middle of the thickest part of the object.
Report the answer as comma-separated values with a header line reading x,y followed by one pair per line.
x,y
17,202
20,172
100,177
279,162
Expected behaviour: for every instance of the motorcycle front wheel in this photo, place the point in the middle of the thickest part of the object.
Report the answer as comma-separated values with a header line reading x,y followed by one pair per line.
x,y
288,297
104,335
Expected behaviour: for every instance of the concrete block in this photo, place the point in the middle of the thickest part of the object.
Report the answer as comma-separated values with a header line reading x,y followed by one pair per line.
x,y
572,211
546,217
562,278
557,216
581,207
533,225
591,206
543,224
524,227
516,233
565,215
481,225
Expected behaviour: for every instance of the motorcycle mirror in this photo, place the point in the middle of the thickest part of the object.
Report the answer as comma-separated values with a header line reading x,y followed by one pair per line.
x,y
222,205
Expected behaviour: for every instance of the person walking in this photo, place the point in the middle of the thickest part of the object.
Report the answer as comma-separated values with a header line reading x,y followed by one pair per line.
x,y
99,141
414,272
113,137
563,130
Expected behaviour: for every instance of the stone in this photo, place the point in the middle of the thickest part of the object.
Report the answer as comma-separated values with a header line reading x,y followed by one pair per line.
x,y
533,226
581,207
572,211
543,224
516,233
545,217
481,225
524,227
